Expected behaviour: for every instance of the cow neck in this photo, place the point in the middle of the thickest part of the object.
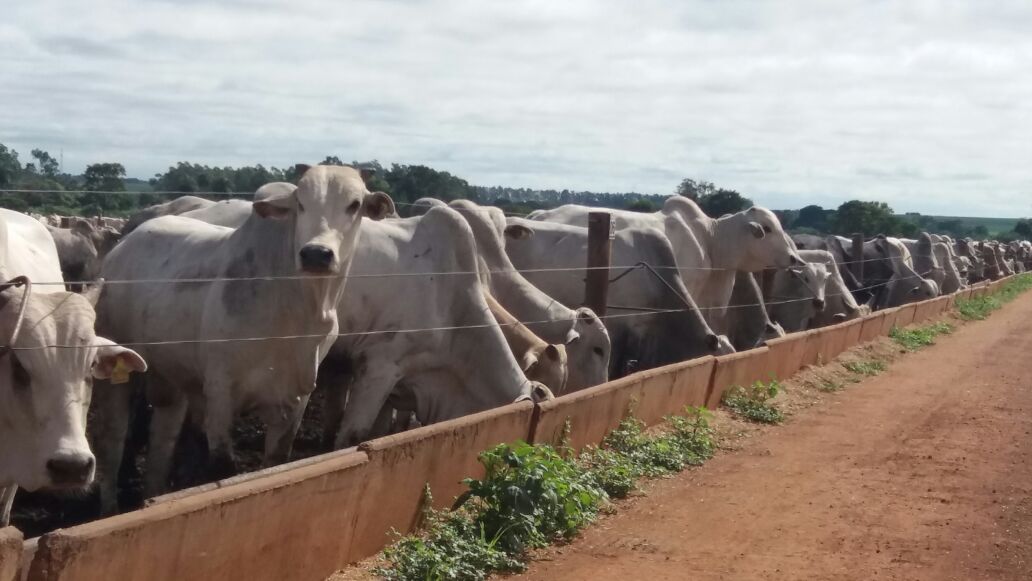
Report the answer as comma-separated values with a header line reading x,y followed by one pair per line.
x,y
724,252
273,241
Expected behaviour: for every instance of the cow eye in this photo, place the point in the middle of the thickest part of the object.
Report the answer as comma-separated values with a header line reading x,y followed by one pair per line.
x,y
598,351
19,374
354,206
767,229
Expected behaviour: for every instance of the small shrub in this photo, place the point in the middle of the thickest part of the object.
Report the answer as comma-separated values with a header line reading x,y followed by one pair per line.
x,y
452,547
828,386
866,368
530,496
914,339
753,403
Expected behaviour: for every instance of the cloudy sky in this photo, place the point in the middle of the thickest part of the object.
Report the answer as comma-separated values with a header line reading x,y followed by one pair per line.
x,y
923,104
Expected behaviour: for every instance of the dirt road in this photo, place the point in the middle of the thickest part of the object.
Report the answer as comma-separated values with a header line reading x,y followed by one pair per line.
x,y
924,472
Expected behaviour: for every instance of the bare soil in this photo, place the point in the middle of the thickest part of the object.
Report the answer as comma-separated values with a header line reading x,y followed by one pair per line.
x,y
923,472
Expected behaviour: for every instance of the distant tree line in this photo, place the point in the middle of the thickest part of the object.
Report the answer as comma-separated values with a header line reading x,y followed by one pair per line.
x,y
57,192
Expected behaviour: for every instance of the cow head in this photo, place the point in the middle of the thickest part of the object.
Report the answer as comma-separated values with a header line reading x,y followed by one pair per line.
x,y
765,242
326,209
813,280
589,349
45,390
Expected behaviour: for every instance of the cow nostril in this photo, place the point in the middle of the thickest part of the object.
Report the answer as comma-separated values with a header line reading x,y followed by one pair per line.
x,y
819,303
316,256
70,469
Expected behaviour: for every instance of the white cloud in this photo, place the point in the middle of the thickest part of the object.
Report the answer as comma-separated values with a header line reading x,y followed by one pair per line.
x,y
921,104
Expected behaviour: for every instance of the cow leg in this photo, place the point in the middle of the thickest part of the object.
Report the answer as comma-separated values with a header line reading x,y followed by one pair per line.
x,y
6,502
280,430
368,394
108,429
218,426
166,424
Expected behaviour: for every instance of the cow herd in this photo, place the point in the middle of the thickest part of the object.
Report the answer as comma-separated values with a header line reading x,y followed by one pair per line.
x,y
209,310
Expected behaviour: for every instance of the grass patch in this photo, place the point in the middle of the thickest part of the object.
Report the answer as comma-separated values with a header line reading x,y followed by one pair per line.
x,y
978,308
865,368
830,386
754,403
533,495
916,338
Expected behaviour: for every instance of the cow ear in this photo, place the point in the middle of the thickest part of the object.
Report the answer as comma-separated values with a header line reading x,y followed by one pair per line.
x,y
83,227
301,169
757,229
367,173
275,201
572,336
378,206
518,232
552,352
115,362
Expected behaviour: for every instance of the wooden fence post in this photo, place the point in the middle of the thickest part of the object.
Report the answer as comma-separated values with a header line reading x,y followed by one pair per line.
x,y
858,257
596,283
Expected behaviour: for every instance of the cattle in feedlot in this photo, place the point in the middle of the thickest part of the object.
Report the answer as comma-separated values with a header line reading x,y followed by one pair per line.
x,y
246,331
748,319
708,250
49,357
418,273
174,207
81,249
552,257
579,329
409,371
839,304
798,295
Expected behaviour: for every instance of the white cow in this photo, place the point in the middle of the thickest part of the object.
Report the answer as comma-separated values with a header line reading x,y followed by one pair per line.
x,y
708,251
280,274
418,274
229,213
906,285
171,208
798,295
45,390
579,329
839,304
651,339
439,371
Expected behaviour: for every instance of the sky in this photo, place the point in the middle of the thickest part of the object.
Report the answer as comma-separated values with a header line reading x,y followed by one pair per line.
x,y
922,104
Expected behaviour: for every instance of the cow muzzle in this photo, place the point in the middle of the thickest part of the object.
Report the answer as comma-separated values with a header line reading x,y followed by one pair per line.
x,y
70,469
316,258
818,304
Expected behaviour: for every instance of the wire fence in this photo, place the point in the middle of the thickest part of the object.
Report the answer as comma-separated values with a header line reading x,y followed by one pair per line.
x,y
650,312
644,311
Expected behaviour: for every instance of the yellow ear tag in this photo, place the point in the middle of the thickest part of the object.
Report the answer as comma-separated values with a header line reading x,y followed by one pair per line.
x,y
120,374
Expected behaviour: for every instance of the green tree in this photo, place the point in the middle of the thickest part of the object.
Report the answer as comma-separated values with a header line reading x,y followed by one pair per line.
x,y
100,178
868,218
411,182
812,216
642,205
695,189
48,166
723,202
1024,227
10,167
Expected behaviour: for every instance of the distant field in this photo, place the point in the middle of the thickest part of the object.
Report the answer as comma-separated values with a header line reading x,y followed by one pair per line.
x,y
994,225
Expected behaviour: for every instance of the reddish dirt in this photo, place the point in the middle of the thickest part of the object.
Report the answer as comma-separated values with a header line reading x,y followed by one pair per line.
x,y
924,472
